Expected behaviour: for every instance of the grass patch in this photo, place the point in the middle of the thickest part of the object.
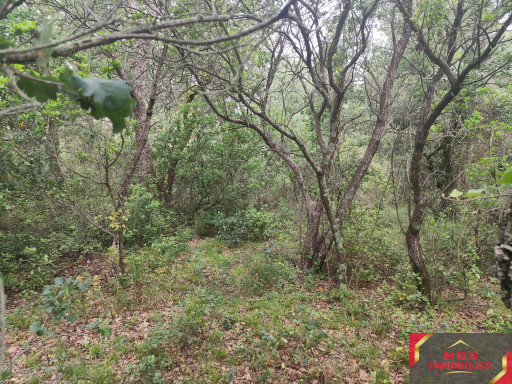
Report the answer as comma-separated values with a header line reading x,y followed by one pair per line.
x,y
219,314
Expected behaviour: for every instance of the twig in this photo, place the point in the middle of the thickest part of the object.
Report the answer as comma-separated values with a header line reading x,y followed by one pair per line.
x,y
474,198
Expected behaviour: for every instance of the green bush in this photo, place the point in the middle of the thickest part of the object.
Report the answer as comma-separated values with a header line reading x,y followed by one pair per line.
x,y
28,261
455,249
404,292
245,225
371,246
147,217
207,223
34,265
161,253
268,271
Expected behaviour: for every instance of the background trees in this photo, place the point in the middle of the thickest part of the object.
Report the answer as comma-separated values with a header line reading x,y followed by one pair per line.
x,y
357,110
348,160
294,99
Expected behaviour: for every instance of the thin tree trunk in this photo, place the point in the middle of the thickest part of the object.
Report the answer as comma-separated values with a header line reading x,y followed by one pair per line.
x,y
169,185
122,264
378,133
144,134
311,252
429,116
139,64
503,253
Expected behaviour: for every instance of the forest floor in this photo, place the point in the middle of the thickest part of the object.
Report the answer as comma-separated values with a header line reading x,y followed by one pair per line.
x,y
228,315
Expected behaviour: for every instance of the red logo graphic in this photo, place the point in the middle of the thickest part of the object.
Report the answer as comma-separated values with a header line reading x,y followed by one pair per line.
x,y
454,361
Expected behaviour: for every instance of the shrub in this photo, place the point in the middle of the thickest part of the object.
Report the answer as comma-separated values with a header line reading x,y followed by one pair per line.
x,y
161,253
268,271
28,261
453,249
245,225
370,245
147,217
207,223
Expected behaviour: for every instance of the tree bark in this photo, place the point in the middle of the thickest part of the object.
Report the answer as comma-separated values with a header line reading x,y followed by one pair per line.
x,y
378,133
141,140
428,117
311,252
503,253
139,64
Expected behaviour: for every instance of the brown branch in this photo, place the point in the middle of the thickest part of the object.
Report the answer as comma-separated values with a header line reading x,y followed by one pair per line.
x,y
144,31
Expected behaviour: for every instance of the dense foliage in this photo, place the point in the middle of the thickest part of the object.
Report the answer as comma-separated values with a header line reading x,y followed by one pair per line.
x,y
364,143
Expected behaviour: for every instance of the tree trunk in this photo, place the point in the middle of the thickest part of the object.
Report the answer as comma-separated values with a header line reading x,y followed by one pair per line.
x,y
139,65
122,265
312,250
503,253
412,237
385,100
169,184
142,137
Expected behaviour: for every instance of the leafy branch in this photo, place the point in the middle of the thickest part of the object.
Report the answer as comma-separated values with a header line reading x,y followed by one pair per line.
x,y
100,97
478,194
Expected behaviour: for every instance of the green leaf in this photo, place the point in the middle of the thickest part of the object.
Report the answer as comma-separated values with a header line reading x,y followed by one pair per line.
x,y
4,43
65,75
84,286
44,37
456,194
71,317
112,94
104,98
5,376
38,89
92,324
475,192
38,328
506,179
105,330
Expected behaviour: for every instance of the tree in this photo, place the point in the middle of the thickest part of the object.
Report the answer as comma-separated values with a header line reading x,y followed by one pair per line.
x,y
308,98
96,31
111,98
454,54
503,252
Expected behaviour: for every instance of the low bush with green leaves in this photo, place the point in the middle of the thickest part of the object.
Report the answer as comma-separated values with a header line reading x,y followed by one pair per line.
x,y
456,249
147,217
29,260
58,300
248,225
370,245
245,225
161,253
268,271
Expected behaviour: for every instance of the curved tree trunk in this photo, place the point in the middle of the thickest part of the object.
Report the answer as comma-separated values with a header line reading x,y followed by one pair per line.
x,y
412,237
429,115
503,253
383,117
313,243
139,64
